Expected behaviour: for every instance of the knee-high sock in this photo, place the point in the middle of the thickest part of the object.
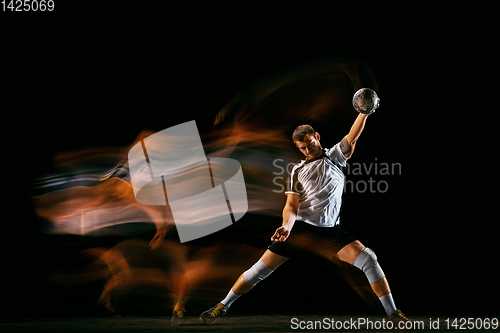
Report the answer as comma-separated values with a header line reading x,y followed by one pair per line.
x,y
388,304
230,298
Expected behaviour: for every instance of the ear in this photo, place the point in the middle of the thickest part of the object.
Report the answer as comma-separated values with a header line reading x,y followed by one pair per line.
x,y
316,135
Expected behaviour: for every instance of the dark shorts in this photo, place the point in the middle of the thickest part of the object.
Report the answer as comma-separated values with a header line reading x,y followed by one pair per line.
x,y
324,241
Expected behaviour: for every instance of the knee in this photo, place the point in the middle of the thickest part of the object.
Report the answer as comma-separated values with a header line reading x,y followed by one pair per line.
x,y
367,262
258,272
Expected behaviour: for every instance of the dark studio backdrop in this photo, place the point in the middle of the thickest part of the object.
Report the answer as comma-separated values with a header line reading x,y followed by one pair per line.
x,y
97,73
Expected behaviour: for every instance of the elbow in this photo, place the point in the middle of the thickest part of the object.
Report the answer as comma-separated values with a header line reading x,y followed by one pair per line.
x,y
347,146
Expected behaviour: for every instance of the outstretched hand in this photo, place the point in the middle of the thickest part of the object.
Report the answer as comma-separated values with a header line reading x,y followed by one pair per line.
x,y
281,234
376,107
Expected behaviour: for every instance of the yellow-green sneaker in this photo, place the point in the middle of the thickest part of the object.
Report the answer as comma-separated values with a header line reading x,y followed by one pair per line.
x,y
399,317
209,316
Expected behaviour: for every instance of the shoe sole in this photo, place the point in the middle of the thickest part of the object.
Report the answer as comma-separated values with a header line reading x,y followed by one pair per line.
x,y
207,321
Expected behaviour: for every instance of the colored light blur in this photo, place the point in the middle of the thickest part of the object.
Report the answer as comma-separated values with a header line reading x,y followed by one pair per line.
x,y
90,194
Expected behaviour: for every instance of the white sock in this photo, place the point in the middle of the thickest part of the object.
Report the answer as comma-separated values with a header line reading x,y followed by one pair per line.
x,y
230,298
388,304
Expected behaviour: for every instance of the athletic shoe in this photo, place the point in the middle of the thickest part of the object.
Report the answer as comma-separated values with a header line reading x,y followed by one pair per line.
x,y
178,316
398,317
209,316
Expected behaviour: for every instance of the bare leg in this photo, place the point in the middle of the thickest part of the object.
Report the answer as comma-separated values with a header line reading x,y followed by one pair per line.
x,y
260,270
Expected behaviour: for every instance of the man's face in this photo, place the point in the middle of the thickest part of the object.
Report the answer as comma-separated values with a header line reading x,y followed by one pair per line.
x,y
310,147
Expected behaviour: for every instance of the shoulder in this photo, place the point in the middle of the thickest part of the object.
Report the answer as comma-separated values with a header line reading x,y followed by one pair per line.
x,y
335,154
298,164
296,168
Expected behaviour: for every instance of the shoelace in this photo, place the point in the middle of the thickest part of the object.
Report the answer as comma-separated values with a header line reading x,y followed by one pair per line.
x,y
217,309
399,314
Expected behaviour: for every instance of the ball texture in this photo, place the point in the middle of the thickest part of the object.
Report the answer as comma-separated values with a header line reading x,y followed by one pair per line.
x,y
365,100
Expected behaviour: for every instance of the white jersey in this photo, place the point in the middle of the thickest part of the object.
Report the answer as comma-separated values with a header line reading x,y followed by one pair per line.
x,y
320,183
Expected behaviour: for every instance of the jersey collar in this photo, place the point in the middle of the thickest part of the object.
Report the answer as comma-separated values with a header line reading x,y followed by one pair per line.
x,y
323,152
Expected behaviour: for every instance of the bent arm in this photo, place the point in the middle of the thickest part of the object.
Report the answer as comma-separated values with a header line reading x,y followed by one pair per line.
x,y
348,143
289,216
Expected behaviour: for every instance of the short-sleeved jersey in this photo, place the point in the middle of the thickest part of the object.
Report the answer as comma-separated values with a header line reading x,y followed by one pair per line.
x,y
320,183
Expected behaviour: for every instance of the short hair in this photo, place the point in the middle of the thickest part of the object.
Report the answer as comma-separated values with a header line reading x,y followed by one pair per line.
x,y
300,132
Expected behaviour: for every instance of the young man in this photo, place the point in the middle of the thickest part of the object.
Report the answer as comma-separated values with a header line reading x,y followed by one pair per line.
x,y
312,209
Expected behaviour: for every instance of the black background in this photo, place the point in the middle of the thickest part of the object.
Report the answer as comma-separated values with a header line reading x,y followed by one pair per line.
x,y
80,76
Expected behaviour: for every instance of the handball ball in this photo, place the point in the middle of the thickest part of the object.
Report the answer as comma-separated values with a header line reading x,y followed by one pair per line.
x,y
365,100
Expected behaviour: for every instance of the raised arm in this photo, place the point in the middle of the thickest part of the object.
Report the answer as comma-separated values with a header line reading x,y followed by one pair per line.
x,y
348,143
